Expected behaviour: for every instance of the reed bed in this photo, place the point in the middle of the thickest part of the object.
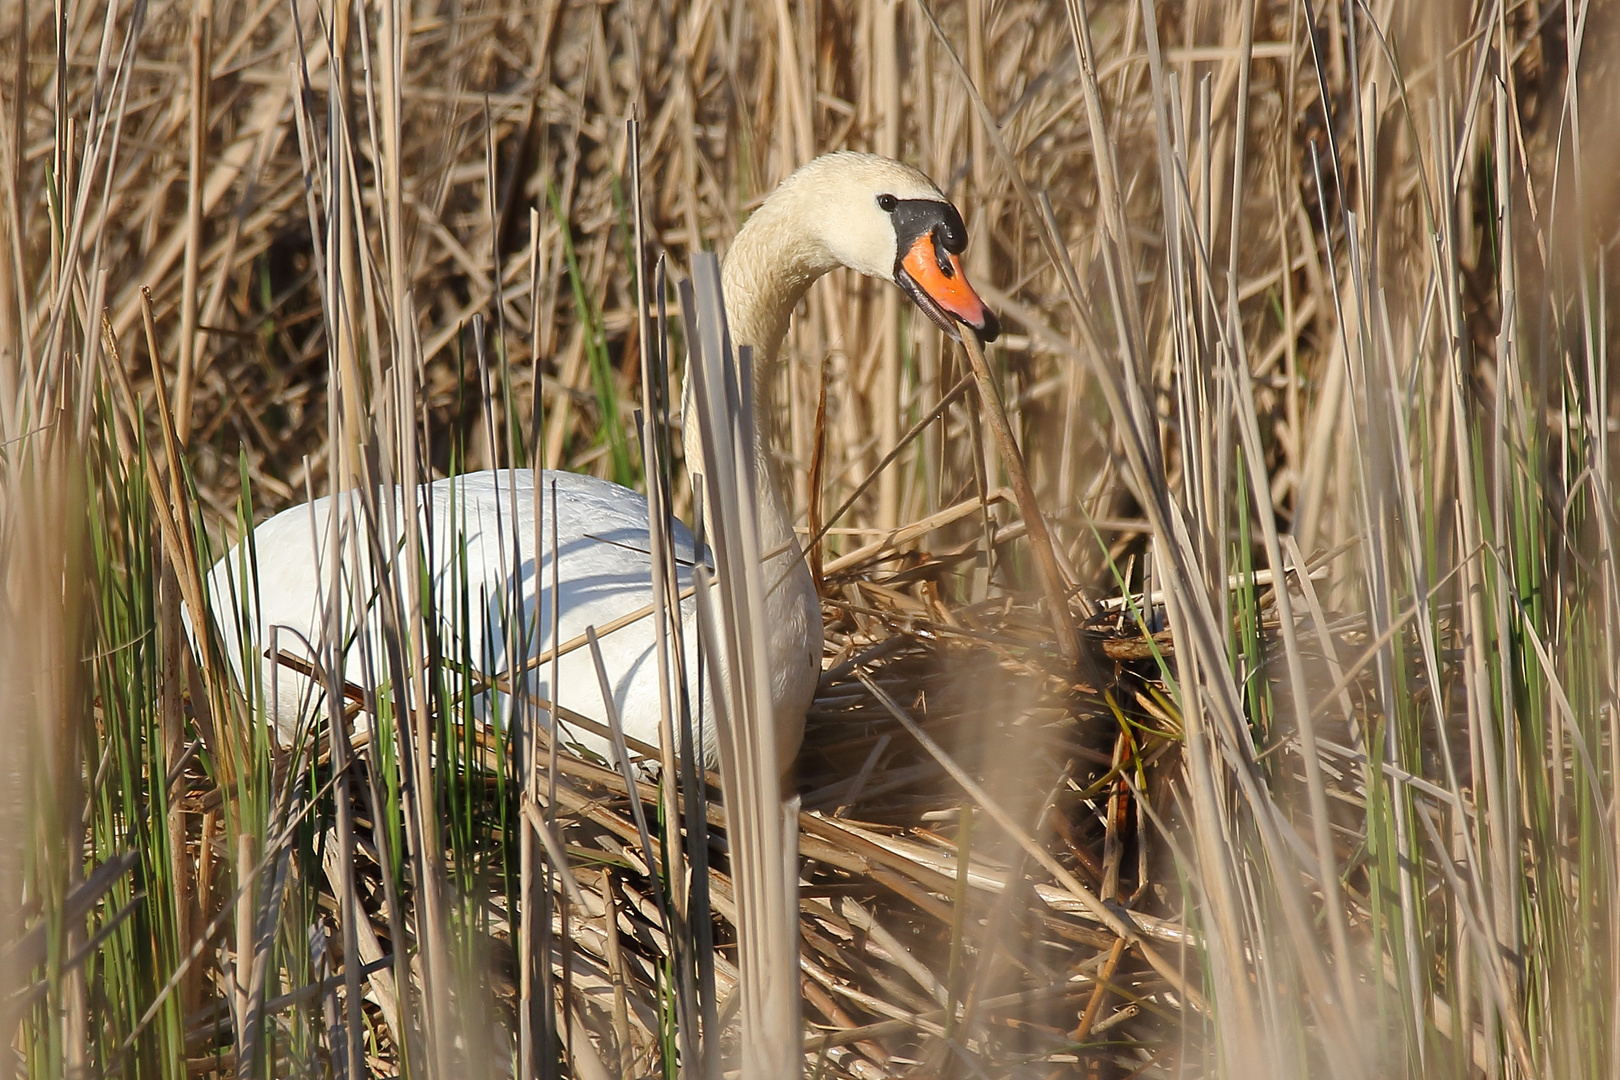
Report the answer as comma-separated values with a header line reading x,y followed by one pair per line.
x,y
1311,771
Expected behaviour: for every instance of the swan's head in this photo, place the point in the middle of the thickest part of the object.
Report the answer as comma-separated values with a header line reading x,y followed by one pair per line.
x,y
889,221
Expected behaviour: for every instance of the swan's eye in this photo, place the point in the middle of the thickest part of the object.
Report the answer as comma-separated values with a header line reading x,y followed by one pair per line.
x,y
887,203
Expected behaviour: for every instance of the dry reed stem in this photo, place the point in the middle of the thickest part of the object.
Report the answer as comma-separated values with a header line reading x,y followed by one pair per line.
x,y
1057,590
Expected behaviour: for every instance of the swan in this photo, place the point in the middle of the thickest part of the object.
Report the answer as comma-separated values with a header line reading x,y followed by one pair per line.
x,y
871,214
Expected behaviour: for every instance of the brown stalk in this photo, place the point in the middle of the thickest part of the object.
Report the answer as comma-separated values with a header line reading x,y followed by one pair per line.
x,y
1040,539
197,130
1094,1003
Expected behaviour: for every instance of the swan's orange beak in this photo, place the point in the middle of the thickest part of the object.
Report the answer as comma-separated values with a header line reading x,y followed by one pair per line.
x,y
927,268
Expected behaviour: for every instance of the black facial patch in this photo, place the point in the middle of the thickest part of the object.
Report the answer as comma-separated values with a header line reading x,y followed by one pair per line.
x,y
937,220
914,218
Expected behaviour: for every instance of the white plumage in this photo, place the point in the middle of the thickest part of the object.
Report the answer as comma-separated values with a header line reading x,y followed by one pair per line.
x,y
479,532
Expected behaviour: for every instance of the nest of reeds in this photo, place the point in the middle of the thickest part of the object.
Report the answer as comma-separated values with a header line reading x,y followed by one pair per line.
x,y
927,932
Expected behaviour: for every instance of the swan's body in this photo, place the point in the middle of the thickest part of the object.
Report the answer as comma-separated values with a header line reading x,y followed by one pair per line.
x,y
479,533
873,215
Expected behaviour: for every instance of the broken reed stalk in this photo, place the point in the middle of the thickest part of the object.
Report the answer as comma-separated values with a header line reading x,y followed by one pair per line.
x,y
731,617
1040,538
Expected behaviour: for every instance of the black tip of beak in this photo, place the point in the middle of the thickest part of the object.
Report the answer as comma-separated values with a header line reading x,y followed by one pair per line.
x,y
991,328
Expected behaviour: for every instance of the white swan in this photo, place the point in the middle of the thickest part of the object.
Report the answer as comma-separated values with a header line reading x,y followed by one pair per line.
x,y
868,213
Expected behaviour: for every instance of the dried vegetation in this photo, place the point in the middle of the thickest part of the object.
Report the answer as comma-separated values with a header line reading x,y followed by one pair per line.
x,y
1159,862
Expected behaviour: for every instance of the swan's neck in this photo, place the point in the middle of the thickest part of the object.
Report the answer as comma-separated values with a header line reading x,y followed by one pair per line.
x,y
765,275
772,261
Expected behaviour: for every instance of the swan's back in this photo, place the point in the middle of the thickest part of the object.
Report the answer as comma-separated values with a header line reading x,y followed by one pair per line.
x,y
480,533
